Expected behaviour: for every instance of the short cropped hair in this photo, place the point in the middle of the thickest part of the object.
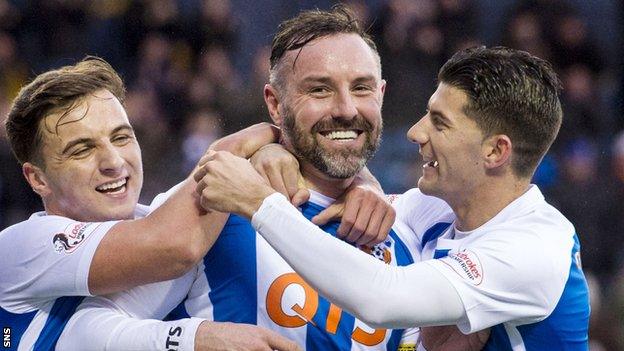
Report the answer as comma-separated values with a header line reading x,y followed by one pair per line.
x,y
310,25
54,91
510,92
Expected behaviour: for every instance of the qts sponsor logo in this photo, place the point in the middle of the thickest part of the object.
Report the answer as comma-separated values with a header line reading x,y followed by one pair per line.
x,y
69,241
173,339
297,315
467,264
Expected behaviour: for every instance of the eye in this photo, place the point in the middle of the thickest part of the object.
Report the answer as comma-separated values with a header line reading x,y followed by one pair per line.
x,y
81,152
319,91
363,89
438,123
121,139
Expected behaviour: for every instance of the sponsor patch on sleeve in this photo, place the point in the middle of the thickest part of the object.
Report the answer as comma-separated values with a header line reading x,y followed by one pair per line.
x,y
466,264
392,198
69,240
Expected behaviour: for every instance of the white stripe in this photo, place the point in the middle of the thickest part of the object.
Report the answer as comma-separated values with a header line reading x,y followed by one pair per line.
x,y
517,344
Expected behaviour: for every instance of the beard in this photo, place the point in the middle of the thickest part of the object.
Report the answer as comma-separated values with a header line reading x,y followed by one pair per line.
x,y
340,163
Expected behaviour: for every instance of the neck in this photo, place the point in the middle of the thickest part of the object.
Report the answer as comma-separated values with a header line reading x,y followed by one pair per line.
x,y
322,183
475,207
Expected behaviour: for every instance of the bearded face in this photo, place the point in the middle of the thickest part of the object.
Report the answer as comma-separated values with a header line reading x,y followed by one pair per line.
x,y
333,159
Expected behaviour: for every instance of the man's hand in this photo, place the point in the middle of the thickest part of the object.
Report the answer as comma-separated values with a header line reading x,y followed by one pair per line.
x,y
227,183
366,214
449,338
281,169
215,336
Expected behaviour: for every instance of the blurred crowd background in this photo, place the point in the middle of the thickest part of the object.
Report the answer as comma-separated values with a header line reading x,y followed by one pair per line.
x,y
195,70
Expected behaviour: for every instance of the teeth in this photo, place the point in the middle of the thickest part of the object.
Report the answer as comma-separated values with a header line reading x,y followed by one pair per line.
x,y
433,164
342,134
113,185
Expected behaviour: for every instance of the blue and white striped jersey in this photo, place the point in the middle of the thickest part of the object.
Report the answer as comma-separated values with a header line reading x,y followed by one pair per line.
x,y
247,281
519,273
45,262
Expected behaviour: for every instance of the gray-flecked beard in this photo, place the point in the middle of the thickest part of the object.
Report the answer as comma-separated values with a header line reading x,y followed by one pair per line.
x,y
341,163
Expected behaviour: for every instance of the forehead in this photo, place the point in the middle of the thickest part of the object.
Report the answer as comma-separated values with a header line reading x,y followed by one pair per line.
x,y
93,114
335,56
448,100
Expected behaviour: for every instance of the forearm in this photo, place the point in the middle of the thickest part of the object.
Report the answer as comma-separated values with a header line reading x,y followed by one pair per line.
x,y
104,329
246,142
162,246
379,294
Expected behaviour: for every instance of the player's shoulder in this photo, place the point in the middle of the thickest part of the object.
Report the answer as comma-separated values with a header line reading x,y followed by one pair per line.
x,y
37,222
414,206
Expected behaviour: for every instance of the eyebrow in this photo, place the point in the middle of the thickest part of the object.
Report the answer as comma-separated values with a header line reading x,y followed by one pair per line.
x,y
327,80
78,141
438,114
316,79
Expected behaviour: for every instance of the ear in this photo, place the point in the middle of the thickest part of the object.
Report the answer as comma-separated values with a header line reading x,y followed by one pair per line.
x,y
273,103
383,89
36,178
497,151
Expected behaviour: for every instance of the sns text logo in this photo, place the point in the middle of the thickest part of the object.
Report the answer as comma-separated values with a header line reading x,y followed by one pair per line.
x,y
6,337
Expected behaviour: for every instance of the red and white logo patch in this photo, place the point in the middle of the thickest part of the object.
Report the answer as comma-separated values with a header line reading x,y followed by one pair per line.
x,y
392,198
69,241
467,264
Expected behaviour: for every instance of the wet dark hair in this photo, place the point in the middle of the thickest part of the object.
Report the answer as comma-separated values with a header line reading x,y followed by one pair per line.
x,y
51,92
510,92
309,25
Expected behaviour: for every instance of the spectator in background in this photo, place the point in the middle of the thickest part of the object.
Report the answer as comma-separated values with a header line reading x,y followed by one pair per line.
x,y
580,167
202,128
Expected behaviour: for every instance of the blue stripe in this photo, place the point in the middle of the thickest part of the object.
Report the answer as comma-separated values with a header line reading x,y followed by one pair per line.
x,y
179,312
18,323
402,255
499,340
440,253
567,326
433,233
62,310
233,290
395,340
317,338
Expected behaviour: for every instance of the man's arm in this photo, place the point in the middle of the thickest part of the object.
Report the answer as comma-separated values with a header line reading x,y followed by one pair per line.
x,y
416,295
107,329
174,237
365,214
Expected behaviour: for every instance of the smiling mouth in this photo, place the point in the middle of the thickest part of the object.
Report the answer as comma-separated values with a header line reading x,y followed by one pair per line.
x,y
341,135
113,188
432,164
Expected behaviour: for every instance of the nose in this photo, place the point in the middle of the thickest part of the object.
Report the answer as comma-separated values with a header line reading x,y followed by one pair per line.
x,y
111,160
417,134
344,106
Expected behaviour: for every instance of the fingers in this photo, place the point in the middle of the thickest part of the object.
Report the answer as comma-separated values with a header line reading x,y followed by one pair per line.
x,y
277,181
291,179
371,234
301,196
278,342
348,220
333,212
386,224
360,223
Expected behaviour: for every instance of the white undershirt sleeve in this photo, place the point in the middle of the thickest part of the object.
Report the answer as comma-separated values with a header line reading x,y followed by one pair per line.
x,y
107,329
376,293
